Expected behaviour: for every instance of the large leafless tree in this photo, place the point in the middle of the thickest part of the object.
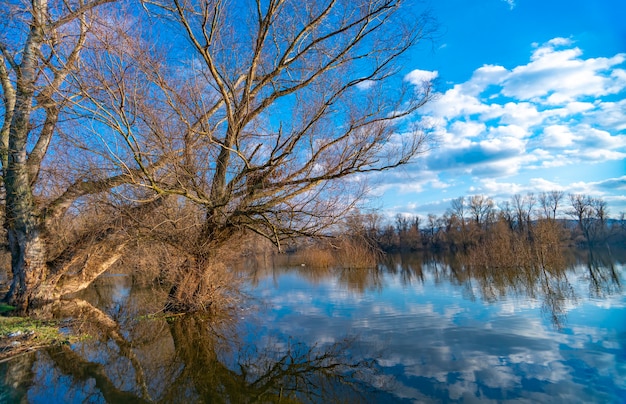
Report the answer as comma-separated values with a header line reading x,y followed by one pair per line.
x,y
289,99
264,115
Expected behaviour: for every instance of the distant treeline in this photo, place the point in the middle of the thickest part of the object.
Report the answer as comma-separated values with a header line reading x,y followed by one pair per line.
x,y
546,220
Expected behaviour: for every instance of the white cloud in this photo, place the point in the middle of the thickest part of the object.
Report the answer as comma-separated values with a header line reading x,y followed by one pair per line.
x,y
557,136
419,77
523,114
511,3
561,75
543,185
561,109
462,129
541,109
609,114
596,155
484,77
365,85
554,77
491,186
599,139
455,103
510,132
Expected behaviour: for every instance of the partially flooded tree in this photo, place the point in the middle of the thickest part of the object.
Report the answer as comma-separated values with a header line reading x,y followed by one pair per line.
x,y
264,123
292,102
458,212
46,170
38,49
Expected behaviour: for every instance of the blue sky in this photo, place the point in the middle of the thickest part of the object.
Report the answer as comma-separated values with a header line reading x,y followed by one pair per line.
x,y
531,97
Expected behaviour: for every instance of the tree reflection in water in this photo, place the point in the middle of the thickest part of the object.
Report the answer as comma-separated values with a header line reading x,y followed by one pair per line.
x,y
284,372
219,359
542,277
603,278
532,277
184,359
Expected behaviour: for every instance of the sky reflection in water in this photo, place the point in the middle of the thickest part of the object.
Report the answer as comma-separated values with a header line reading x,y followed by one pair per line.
x,y
411,330
438,340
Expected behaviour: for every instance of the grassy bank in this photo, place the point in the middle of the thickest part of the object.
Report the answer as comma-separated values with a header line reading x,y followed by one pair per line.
x,y
22,334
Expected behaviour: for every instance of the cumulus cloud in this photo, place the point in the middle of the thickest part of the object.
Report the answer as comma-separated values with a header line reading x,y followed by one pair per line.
x,y
599,188
477,153
555,110
559,75
502,190
418,77
609,115
469,130
557,136
559,110
612,183
365,85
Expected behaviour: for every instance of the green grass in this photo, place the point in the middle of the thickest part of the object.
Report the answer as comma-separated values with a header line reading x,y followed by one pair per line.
x,y
21,334
42,331
5,308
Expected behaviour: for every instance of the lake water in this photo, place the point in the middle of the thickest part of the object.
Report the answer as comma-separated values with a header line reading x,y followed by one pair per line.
x,y
413,329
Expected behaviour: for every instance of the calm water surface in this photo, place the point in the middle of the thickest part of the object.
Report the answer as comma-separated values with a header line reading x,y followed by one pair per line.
x,y
410,330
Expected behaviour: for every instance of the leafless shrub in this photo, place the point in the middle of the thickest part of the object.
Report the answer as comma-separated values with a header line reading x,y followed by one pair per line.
x,y
212,287
346,251
356,252
317,256
504,248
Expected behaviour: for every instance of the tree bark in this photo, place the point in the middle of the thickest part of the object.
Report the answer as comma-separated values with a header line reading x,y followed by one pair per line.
x,y
28,265
24,230
29,85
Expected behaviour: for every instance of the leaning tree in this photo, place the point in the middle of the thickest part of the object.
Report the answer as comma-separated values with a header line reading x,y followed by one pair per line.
x,y
51,164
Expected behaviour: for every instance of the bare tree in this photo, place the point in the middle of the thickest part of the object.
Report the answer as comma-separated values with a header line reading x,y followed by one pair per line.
x,y
277,131
507,214
523,209
481,209
458,207
432,226
591,214
45,171
402,226
264,121
600,208
550,202
458,213
288,115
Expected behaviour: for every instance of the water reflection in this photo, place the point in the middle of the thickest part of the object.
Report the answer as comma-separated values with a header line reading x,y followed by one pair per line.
x,y
603,277
548,281
183,359
444,330
414,328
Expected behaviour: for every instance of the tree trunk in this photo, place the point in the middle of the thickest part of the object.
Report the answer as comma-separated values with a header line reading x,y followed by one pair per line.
x,y
24,233
24,226
28,265
24,230
31,110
